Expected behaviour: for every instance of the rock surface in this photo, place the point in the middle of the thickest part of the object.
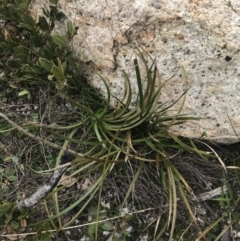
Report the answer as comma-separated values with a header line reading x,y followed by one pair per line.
x,y
196,41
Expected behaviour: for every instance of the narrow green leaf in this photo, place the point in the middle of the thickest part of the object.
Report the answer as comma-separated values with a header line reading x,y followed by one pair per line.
x,y
18,50
54,2
34,115
139,82
92,209
61,65
59,86
102,215
26,20
209,227
27,26
6,190
70,28
59,40
58,52
23,6
46,12
91,231
172,202
46,64
43,23
4,209
60,16
13,86
7,159
162,230
107,226
25,92
185,199
46,237
15,159
14,224
58,74
221,199
12,178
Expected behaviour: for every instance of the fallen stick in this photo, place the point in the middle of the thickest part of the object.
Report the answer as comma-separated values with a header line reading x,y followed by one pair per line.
x,y
213,193
48,186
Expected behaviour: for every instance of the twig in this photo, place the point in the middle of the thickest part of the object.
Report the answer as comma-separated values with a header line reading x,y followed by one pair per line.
x,y
47,187
211,194
74,227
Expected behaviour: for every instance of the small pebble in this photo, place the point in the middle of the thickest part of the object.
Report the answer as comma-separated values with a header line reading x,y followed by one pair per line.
x,y
68,105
